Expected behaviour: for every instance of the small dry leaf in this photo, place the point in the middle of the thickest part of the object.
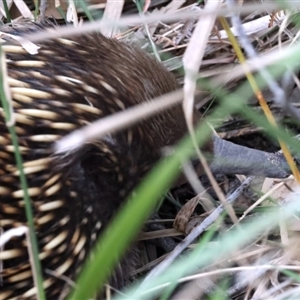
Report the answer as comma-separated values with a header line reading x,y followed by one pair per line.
x,y
195,221
185,213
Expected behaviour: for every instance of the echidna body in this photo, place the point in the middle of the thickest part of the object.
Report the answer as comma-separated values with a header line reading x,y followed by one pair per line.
x,y
68,84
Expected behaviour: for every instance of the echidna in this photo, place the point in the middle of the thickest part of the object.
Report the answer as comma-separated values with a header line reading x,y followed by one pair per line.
x,y
68,84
